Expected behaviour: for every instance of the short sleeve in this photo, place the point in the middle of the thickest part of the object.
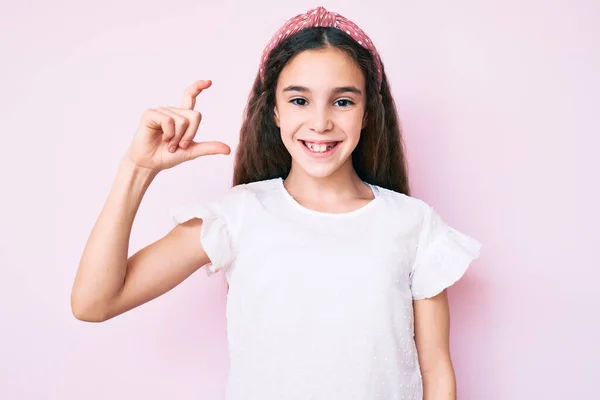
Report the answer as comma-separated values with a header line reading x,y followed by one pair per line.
x,y
221,222
443,256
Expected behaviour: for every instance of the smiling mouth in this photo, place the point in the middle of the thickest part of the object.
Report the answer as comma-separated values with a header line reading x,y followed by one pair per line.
x,y
322,147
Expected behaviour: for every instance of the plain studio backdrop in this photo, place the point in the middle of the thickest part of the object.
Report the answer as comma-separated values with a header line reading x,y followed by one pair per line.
x,y
499,103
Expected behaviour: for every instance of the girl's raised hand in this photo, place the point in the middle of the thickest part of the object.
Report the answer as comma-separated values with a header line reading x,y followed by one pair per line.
x,y
165,136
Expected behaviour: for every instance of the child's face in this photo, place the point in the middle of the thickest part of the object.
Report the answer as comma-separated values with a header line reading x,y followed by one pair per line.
x,y
320,103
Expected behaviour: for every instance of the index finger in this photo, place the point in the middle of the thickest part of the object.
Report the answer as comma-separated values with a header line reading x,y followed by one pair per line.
x,y
189,98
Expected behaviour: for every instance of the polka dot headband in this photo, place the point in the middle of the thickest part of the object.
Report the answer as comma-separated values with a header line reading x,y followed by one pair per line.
x,y
320,17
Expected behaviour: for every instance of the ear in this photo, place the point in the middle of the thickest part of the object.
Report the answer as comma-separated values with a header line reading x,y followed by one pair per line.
x,y
276,116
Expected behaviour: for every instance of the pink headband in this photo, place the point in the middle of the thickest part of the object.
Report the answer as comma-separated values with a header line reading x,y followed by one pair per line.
x,y
321,17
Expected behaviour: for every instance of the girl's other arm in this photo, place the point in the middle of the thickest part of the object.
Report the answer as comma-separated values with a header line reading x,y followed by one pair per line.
x,y
432,336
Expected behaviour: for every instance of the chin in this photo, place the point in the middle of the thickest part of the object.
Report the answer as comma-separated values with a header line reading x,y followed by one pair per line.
x,y
319,171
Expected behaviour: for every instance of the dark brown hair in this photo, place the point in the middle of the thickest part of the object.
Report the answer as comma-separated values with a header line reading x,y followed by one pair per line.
x,y
379,156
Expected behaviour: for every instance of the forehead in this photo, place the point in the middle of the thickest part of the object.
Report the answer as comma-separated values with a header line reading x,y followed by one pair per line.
x,y
322,68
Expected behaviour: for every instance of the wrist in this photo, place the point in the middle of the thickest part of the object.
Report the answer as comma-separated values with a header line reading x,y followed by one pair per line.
x,y
135,172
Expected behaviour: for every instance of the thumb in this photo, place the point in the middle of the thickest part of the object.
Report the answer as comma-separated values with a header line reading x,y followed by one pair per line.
x,y
207,148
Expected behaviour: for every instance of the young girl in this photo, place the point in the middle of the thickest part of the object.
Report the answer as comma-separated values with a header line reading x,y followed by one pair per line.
x,y
336,275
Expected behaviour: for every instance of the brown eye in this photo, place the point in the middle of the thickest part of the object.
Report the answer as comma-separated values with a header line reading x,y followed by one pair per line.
x,y
298,102
344,103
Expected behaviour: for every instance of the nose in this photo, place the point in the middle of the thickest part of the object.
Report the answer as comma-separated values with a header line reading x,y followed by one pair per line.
x,y
321,121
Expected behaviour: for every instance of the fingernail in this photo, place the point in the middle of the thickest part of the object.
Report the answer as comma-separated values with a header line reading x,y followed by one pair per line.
x,y
172,149
184,144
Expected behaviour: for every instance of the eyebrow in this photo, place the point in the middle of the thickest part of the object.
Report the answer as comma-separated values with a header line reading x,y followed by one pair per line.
x,y
337,90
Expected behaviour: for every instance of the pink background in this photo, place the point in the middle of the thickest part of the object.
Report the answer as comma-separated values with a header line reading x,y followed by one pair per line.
x,y
499,101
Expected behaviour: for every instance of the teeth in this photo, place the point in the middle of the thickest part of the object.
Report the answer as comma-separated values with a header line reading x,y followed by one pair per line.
x,y
319,148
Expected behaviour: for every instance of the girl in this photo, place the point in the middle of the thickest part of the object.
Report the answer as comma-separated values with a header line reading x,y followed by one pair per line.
x,y
337,277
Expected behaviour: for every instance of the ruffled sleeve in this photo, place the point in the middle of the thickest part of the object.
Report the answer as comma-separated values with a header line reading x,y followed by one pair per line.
x,y
443,256
220,224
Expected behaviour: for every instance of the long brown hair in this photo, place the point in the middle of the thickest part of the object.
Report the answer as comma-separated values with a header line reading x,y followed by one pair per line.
x,y
379,156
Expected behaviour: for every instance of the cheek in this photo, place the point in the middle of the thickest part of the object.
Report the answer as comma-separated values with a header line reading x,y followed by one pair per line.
x,y
352,126
289,124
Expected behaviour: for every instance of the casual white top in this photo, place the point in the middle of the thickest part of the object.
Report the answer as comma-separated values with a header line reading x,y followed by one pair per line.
x,y
319,304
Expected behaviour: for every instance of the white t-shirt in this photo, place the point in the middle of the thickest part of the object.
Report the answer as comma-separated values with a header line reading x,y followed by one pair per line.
x,y
320,305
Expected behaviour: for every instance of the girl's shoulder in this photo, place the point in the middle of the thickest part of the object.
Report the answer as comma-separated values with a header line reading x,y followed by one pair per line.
x,y
252,193
400,202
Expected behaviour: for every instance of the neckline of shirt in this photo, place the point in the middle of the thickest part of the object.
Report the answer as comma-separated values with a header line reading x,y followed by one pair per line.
x,y
360,210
